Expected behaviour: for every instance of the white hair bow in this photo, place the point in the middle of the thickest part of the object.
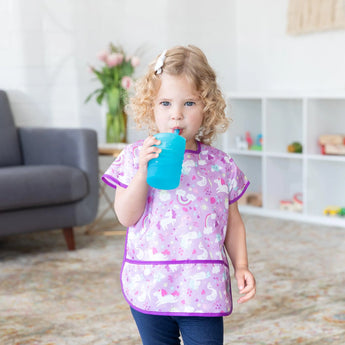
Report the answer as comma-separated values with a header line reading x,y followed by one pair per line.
x,y
160,63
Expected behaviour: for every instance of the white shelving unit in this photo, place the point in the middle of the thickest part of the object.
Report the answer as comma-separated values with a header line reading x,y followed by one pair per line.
x,y
277,174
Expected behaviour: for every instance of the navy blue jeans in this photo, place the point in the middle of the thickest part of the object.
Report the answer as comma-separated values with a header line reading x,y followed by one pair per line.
x,y
165,330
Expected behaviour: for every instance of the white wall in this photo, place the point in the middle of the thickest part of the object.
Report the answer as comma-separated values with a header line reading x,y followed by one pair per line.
x,y
46,46
268,59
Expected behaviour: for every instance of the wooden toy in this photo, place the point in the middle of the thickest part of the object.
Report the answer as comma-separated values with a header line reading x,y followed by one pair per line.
x,y
333,139
294,205
332,144
330,149
286,205
254,199
298,202
251,199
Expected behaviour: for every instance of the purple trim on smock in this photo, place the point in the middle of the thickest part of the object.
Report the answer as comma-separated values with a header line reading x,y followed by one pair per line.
x,y
239,196
176,262
106,178
177,314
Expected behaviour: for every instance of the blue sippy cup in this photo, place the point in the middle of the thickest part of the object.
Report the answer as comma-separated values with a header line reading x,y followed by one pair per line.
x,y
164,172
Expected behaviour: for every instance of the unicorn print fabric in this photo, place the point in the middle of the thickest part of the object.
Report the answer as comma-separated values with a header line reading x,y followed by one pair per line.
x,y
175,261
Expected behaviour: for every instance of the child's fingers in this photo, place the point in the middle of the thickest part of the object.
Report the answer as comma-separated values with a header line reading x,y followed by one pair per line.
x,y
241,283
248,289
247,297
150,141
150,153
149,150
249,284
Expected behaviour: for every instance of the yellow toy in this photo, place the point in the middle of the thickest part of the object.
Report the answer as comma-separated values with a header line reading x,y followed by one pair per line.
x,y
334,211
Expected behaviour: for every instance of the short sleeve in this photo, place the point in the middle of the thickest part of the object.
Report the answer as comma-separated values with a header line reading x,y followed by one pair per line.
x,y
237,182
124,167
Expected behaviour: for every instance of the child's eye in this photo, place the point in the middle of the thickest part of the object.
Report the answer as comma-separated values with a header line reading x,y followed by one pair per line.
x,y
189,103
165,103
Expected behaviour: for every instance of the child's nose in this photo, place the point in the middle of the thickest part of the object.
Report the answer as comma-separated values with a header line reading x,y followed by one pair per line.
x,y
177,115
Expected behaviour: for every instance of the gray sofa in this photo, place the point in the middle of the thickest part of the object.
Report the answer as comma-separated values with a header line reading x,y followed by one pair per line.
x,y
48,177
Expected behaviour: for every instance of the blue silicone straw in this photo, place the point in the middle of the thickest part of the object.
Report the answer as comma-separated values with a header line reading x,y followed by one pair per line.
x,y
177,131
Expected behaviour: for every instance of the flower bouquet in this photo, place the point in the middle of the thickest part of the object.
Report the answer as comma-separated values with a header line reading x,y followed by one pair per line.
x,y
115,77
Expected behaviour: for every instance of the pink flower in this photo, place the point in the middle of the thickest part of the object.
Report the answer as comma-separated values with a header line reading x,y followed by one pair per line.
x,y
126,82
114,59
103,55
135,61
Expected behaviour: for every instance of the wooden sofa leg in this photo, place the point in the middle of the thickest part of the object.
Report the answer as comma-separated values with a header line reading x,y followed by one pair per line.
x,y
69,238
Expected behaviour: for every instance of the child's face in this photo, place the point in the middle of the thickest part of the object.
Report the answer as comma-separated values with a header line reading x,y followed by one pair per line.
x,y
178,105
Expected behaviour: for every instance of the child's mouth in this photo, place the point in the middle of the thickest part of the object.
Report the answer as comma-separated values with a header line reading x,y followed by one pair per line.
x,y
177,130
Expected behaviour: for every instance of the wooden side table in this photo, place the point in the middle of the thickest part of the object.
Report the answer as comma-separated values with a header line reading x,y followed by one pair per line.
x,y
110,150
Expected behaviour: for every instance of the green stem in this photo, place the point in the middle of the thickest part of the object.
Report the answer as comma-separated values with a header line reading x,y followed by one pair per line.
x,y
116,128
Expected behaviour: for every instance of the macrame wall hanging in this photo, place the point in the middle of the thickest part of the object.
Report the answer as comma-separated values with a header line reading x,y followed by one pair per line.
x,y
305,16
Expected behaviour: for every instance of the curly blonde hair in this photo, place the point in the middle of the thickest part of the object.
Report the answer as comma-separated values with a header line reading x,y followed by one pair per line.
x,y
191,62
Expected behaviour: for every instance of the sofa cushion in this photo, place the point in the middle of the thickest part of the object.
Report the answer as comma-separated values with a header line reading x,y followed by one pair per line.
x,y
9,144
40,185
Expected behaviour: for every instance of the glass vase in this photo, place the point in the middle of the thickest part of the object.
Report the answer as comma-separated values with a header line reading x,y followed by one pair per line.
x,y
116,116
116,127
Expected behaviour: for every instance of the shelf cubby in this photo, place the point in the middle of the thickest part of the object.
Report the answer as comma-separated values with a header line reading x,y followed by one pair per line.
x,y
246,116
284,124
325,185
284,179
324,116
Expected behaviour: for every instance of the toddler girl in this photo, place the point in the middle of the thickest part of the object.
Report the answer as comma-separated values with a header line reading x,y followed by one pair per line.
x,y
175,273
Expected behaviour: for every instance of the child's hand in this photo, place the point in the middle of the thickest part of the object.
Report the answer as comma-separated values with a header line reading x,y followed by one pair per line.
x,y
246,284
148,152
